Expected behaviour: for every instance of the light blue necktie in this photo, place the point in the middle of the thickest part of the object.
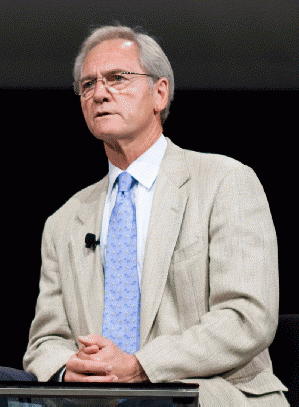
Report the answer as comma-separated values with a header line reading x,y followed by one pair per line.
x,y
121,317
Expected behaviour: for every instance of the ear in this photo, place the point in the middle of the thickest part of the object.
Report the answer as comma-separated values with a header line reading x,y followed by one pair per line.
x,y
161,92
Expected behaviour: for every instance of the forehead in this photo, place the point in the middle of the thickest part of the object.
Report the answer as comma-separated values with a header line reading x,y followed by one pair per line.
x,y
110,55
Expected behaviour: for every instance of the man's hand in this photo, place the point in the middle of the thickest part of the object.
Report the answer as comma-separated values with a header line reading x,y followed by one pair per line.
x,y
100,360
81,368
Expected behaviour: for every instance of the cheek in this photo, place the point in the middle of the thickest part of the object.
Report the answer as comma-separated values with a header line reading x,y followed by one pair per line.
x,y
127,103
83,107
86,113
134,105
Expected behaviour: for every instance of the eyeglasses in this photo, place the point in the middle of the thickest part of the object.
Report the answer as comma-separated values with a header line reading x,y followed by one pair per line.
x,y
115,81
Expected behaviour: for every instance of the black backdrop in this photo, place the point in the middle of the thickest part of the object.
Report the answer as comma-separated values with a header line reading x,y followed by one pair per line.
x,y
211,43
236,70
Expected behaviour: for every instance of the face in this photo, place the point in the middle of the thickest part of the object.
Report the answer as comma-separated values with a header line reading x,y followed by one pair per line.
x,y
134,110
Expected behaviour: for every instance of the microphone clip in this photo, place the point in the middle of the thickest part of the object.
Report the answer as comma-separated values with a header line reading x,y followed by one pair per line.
x,y
90,241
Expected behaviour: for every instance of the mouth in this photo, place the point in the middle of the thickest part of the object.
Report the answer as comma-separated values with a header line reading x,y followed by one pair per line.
x,y
102,114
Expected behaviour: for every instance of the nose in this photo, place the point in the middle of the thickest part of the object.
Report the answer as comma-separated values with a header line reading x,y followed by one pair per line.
x,y
101,93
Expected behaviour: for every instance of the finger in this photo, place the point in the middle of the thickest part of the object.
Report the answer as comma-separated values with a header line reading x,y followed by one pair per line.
x,y
101,379
88,352
72,376
88,366
88,340
91,349
93,339
78,377
81,349
82,355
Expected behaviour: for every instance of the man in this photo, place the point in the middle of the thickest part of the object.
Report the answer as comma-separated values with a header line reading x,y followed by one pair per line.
x,y
200,266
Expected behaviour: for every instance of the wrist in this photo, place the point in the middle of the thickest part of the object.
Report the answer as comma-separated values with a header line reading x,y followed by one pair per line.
x,y
139,374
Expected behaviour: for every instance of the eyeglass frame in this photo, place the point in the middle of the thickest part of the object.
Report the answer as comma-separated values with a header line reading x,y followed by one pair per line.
x,y
103,79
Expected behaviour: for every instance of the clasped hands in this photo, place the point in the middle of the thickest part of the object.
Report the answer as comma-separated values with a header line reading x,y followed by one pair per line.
x,y
101,360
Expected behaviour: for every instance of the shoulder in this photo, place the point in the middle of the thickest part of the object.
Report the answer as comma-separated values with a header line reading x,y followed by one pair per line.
x,y
225,177
83,198
209,171
206,164
211,161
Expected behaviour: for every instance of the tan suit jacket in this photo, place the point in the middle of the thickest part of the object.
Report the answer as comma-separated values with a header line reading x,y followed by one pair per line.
x,y
209,295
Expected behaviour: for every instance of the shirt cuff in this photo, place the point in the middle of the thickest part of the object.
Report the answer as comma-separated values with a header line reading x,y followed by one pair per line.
x,y
58,376
61,374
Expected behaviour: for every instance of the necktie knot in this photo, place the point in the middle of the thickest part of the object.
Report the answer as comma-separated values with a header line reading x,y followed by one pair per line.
x,y
125,182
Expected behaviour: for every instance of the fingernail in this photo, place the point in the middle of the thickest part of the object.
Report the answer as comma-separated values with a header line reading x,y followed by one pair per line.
x,y
109,368
115,379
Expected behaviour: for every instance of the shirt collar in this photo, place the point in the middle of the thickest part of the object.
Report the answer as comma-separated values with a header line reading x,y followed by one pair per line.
x,y
145,168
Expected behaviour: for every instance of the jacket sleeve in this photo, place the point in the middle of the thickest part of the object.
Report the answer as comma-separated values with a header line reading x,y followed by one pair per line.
x,y
243,289
51,342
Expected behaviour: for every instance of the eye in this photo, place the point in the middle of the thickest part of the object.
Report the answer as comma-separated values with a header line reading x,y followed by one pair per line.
x,y
88,84
116,78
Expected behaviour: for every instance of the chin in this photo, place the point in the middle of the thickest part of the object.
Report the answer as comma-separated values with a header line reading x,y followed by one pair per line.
x,y
109,135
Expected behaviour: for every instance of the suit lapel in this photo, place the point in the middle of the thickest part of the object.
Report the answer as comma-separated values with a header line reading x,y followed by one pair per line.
x,y
166,217
88,269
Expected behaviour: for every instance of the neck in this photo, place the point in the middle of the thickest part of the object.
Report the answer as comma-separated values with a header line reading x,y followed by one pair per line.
x,y
124,151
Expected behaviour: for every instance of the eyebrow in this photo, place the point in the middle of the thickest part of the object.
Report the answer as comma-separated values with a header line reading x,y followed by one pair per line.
x,y
115,70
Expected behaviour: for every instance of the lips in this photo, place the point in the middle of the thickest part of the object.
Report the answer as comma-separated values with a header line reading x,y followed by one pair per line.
x,y
101,114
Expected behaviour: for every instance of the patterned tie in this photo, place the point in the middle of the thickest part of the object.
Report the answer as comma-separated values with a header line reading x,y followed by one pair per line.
x,y
121,317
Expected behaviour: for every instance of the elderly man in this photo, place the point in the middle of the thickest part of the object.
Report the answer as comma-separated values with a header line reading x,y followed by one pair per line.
x,y
166,269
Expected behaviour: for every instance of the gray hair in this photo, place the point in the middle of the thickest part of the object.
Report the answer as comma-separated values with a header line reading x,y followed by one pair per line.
x,y
151,56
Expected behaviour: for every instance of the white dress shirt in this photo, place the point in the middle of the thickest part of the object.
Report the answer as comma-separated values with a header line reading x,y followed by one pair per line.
x,y
145,170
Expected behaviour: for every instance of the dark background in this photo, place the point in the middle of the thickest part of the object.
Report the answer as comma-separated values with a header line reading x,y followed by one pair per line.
x,y
237,80
212,43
